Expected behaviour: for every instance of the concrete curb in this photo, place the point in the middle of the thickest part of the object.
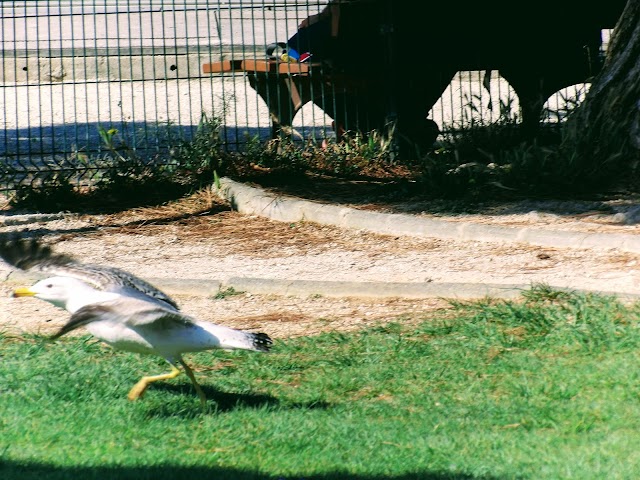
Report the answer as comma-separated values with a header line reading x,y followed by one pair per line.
x,y
257,201
9,220
337,289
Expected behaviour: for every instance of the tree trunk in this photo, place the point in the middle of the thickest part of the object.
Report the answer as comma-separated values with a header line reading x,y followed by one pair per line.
x,y
604,131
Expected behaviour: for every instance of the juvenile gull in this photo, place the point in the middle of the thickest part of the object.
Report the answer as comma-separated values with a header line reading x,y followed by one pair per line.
x,y
122,310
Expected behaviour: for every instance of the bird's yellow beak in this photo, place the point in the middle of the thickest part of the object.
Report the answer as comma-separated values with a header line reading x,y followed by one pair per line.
x,y
23,292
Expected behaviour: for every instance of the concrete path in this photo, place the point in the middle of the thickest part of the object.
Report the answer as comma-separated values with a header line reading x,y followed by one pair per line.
x,y
257,201
253,200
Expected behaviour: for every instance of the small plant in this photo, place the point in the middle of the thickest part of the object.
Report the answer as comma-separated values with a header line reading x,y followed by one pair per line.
x,y
201,157
354,155
475,114
52,193
565,102
498,159
227,292
544,293
121,177
108,138
125,166
282,154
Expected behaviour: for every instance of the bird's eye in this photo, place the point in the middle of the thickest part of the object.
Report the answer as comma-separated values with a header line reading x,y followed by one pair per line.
x,y
49,285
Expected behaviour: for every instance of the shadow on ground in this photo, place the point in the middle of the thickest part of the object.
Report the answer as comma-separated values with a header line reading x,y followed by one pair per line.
x,y
219,401
402,195
10,470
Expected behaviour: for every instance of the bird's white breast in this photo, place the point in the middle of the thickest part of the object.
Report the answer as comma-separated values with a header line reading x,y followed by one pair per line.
x,y
120,336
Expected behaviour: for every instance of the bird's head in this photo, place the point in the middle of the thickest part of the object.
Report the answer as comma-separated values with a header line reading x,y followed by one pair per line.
x,y
55,290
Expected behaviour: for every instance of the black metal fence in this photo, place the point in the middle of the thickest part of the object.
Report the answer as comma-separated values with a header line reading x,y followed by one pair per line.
x,y
79,74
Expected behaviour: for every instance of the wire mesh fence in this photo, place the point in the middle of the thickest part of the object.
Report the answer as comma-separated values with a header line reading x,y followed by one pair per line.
x,y
82,81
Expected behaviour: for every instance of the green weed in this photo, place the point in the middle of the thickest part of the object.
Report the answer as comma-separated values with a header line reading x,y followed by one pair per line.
x,y
121,178
227,292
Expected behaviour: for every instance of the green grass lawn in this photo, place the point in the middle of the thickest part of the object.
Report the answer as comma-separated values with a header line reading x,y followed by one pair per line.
x,y
544,388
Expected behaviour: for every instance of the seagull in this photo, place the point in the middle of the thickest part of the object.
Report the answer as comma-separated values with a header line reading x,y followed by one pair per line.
x,y
122,310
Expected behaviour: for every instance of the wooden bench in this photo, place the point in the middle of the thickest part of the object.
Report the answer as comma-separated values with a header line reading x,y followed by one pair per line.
x,y
286,87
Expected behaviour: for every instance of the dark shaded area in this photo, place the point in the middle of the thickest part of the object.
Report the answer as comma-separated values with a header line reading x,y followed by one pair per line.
x,y
219,401
406,195
42,166
390,61
10,470
58,198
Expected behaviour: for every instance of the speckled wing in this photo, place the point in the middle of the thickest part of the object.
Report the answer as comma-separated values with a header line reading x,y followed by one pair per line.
x,y
32,255
128,311
162,330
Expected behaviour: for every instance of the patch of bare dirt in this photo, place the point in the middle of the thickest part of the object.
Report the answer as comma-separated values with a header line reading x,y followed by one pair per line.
x,y
281,317
200,237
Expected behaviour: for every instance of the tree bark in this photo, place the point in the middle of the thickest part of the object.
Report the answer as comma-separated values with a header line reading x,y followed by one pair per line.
x,y
604,131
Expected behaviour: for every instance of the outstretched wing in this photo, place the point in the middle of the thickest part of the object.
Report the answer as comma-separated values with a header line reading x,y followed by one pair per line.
x,y
128,311
29,254
165,329
32,255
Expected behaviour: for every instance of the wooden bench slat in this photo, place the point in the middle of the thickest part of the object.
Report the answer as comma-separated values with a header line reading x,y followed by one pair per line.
x,y
258,65
222,66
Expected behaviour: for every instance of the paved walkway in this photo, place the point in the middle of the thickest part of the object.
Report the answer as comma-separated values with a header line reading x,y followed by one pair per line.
x,y
257,201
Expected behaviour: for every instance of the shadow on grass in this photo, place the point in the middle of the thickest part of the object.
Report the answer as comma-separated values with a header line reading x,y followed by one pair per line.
x,y
219,402
10,470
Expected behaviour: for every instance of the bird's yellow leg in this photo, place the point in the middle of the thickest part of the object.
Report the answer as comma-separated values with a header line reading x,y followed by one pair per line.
x,y
189,372
139,388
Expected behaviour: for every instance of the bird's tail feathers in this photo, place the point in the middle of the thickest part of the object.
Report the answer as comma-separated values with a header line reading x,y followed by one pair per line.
x,y
261,341
230,338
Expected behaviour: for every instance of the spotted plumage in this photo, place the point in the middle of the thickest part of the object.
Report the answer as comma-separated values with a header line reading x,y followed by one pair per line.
x,y
31,255
122,310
